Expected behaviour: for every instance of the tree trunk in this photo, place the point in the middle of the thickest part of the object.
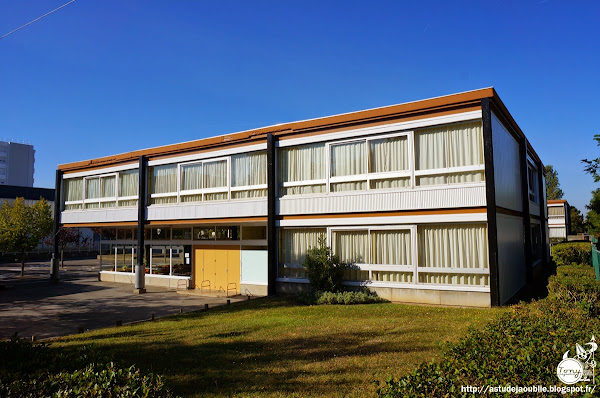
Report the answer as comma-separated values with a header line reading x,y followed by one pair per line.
x,y
22,262
62,257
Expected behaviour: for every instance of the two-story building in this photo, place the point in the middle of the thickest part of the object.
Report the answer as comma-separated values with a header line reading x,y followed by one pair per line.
x,y
437,201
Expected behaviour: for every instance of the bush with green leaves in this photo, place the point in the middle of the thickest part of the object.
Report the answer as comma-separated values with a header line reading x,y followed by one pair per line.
x,y
576,285
344,298
37,370
324,269
572,253
519,348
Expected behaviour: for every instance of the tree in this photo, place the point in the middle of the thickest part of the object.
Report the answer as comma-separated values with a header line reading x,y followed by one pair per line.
x,y
593,165
22,227
593,214
577,221
66,237
553,190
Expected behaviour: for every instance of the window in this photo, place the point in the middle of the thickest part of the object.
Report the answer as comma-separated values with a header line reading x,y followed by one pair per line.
x,y
215,180
451,154
100,192
389,155
216,233
302,170
73,193
254,232
556,211
163,184
128,188
249,175
293,246
532,180
455,254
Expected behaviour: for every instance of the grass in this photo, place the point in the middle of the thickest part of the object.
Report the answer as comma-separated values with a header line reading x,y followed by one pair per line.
x,y
275,347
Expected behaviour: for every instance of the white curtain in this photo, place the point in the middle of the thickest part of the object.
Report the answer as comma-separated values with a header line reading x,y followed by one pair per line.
x,y
164,179
430,148
73,189
453,246
461,178
348,159
248,194
191,198
108,187
402,182
391,276
191,177
388,154
302,163
351,246
249,169
556,211
302,190
454,279
215,174
295,242
465,144
432,180
92,188
215,196
391,247
348,186
128,183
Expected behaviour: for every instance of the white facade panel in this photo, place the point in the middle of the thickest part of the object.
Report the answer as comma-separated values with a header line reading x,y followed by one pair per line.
x,y
556,221
250,208
512,272
507,171
99,215
472,195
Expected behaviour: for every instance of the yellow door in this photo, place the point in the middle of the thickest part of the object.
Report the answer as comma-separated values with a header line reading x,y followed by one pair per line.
x,y
217,268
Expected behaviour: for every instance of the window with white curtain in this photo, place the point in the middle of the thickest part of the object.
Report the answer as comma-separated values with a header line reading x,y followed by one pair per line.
x,y
301,170
191,182
215,180
453,254
556,211
163,184
389,163
532,182
128,188
449,154
249,175
73,193
348,167
293,246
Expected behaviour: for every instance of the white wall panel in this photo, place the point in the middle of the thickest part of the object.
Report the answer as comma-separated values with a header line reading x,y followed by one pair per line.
x,y
556,221
414,199
512,271
100,215
558,232
507,171
250,208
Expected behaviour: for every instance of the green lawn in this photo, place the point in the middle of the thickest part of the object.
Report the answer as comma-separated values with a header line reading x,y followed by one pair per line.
x,y
275,347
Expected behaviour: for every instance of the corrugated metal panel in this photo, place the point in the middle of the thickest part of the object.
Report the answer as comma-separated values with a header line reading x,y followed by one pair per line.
x,y
251,208
449,197
534,208
507,174
512,271
556,221
104,215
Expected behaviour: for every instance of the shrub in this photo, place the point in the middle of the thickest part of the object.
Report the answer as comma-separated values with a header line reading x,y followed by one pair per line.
x,y
323,269
344,298
572,253
37,370
520,348
576,285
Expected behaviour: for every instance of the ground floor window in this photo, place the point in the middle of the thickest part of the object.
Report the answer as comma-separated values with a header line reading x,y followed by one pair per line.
x,y
440,254
159,259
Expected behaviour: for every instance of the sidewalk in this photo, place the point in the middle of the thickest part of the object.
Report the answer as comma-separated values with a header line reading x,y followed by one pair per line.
x,y
34,305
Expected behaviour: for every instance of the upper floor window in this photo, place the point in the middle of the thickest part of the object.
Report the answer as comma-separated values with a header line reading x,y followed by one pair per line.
x,y
532,182
301,169
104,191
556,211
249,175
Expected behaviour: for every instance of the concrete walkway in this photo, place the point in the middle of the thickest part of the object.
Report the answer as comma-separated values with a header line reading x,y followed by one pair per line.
x,y
33,305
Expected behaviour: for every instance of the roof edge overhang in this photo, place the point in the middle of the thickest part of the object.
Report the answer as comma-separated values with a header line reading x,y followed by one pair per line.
x,y
342,121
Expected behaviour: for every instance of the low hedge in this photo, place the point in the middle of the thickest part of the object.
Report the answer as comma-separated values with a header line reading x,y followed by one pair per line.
x,y
343,298
520,348
572,253
37,370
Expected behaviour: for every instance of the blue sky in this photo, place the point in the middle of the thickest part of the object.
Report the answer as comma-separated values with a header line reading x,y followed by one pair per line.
x,y
104,77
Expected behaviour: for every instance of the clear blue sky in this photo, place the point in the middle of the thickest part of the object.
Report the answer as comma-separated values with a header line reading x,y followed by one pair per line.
x,y
104,77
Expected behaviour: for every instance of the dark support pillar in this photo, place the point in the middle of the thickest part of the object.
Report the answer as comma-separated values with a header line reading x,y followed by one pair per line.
x,y
140,285
57,207
543,215
271,228
490,193
526,211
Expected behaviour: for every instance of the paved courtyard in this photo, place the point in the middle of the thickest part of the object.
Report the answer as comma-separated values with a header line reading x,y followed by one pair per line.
x,y
34,305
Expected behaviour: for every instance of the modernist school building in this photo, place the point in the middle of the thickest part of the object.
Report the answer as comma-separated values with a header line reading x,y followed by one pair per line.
x,y
438,201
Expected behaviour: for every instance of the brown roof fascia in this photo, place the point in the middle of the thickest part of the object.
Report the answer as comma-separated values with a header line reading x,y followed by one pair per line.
x,y
349,119
556,201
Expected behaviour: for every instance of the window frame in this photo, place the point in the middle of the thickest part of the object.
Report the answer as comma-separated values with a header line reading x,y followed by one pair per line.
x,y
202,191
